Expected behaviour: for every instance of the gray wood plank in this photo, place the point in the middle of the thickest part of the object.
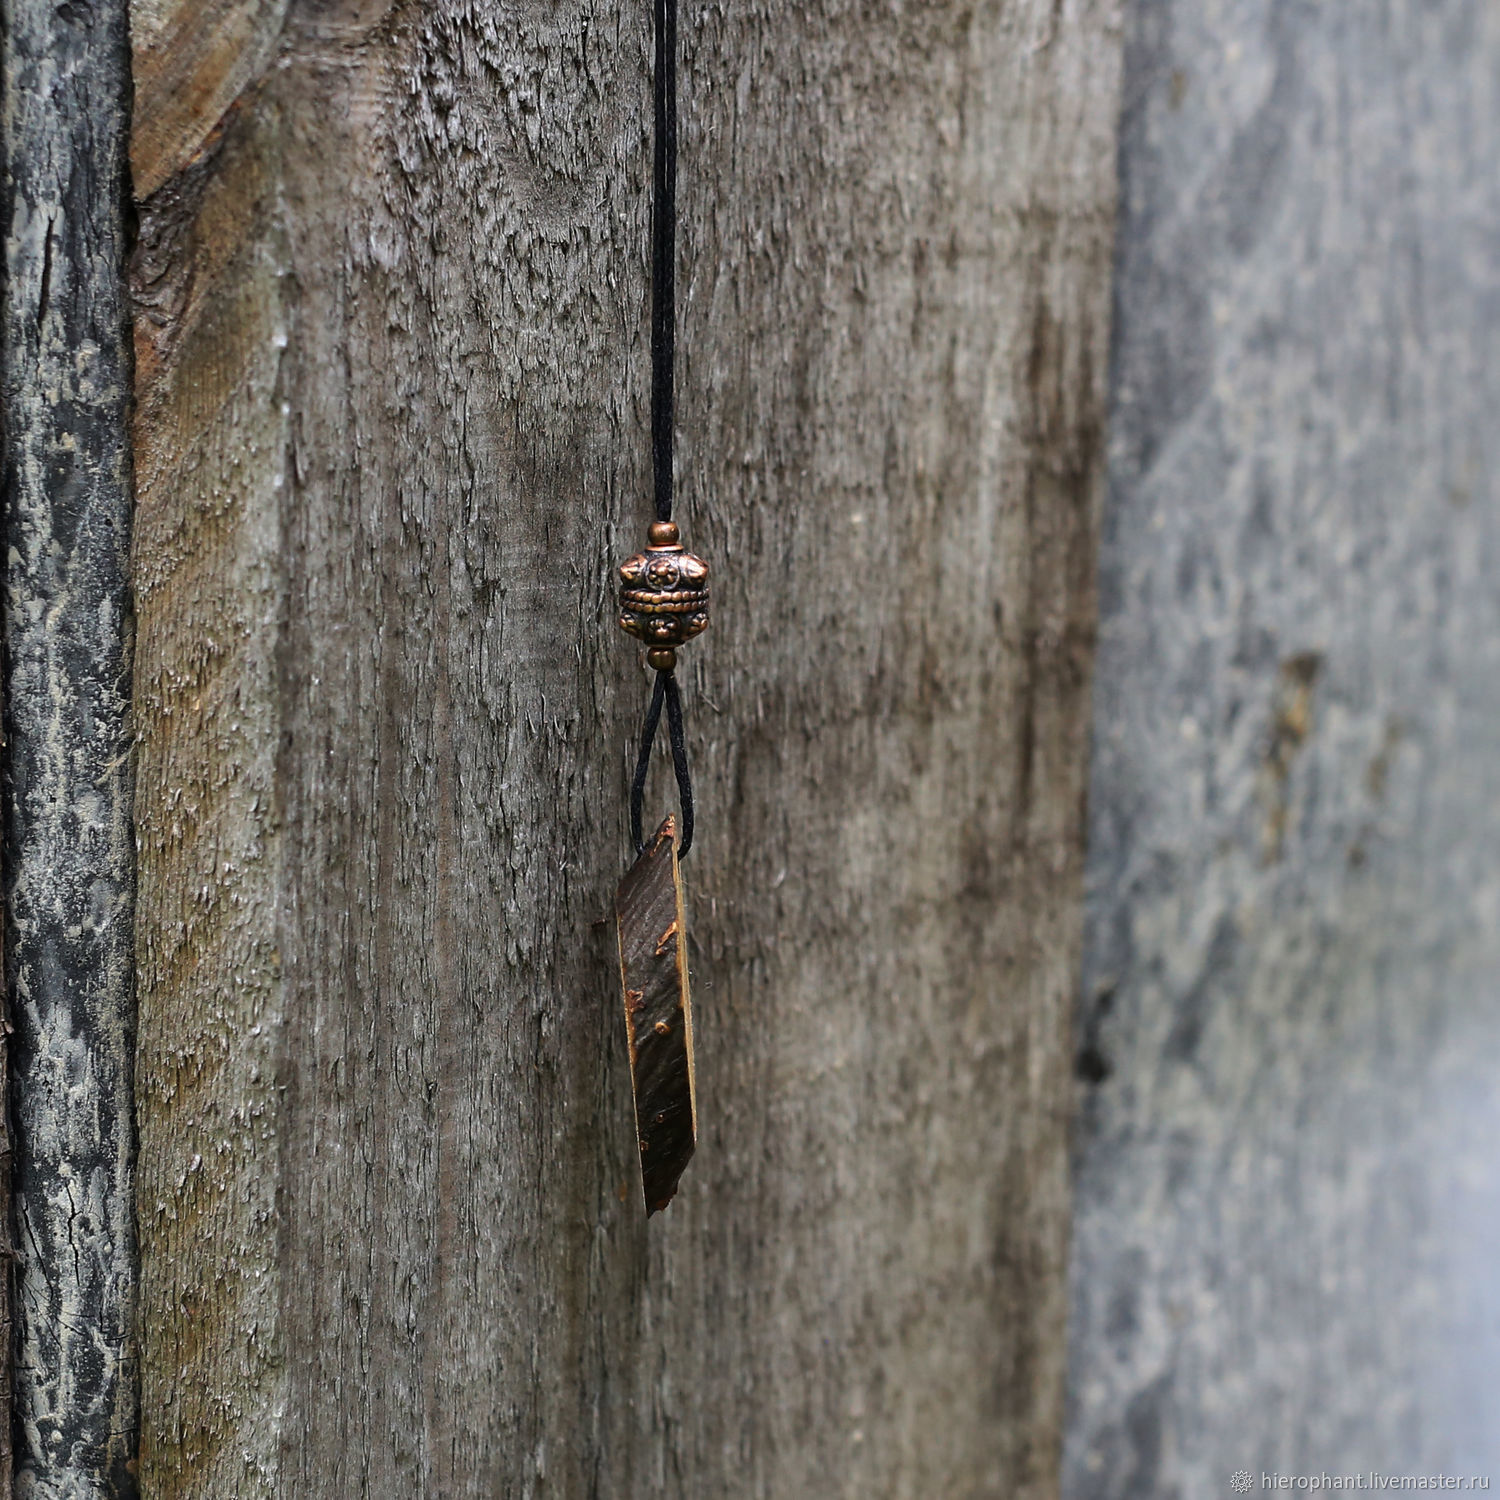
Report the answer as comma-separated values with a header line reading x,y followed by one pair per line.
x,y
1288,1198
392,451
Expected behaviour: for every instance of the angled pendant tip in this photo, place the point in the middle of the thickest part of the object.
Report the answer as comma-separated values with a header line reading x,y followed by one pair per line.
x,y
652,930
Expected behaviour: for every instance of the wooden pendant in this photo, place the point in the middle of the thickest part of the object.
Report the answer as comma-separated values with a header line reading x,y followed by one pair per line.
x,y
658,1015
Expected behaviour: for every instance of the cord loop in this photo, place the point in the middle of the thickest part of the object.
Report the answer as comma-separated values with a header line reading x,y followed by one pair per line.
x,y
665,694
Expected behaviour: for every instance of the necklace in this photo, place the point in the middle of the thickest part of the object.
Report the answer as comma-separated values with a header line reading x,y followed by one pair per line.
x,y
664,603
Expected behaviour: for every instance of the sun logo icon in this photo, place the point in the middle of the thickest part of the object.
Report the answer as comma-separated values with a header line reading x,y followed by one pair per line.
x,y
1240,1481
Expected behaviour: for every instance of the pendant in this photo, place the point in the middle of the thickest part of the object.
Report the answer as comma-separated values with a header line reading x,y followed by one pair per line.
x,y
658,1015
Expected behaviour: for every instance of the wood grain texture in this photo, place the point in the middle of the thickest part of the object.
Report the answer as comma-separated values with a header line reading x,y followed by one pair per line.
x,y
67,786
392,448
193,63
1288,1199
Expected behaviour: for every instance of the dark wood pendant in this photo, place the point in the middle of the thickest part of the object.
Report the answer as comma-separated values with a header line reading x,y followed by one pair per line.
x,y
658,1015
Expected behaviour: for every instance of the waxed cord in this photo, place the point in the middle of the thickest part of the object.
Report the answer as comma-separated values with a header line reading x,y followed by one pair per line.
x,y
665,695
663,374
664,259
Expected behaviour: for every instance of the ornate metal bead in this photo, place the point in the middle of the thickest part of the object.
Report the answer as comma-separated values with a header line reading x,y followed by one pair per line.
x,y
664,593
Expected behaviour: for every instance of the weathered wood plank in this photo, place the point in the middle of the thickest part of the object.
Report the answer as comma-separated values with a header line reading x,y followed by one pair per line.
x,y
194,60
211,434
1288,1210
393,436
67,789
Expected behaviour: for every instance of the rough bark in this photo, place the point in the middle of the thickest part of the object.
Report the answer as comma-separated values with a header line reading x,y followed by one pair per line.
x,y
1288,1199
391,447
67,794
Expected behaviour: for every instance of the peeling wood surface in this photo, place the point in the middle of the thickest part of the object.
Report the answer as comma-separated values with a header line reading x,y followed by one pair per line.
x,y
211,436
67,793
391,442
1288,1196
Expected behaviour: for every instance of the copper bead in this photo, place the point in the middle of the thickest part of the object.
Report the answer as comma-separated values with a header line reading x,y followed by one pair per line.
x,y
664,595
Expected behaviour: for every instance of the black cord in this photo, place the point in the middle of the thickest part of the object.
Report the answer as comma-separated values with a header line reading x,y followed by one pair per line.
x,y
643,761
679,762
666,693
663,371
664,258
